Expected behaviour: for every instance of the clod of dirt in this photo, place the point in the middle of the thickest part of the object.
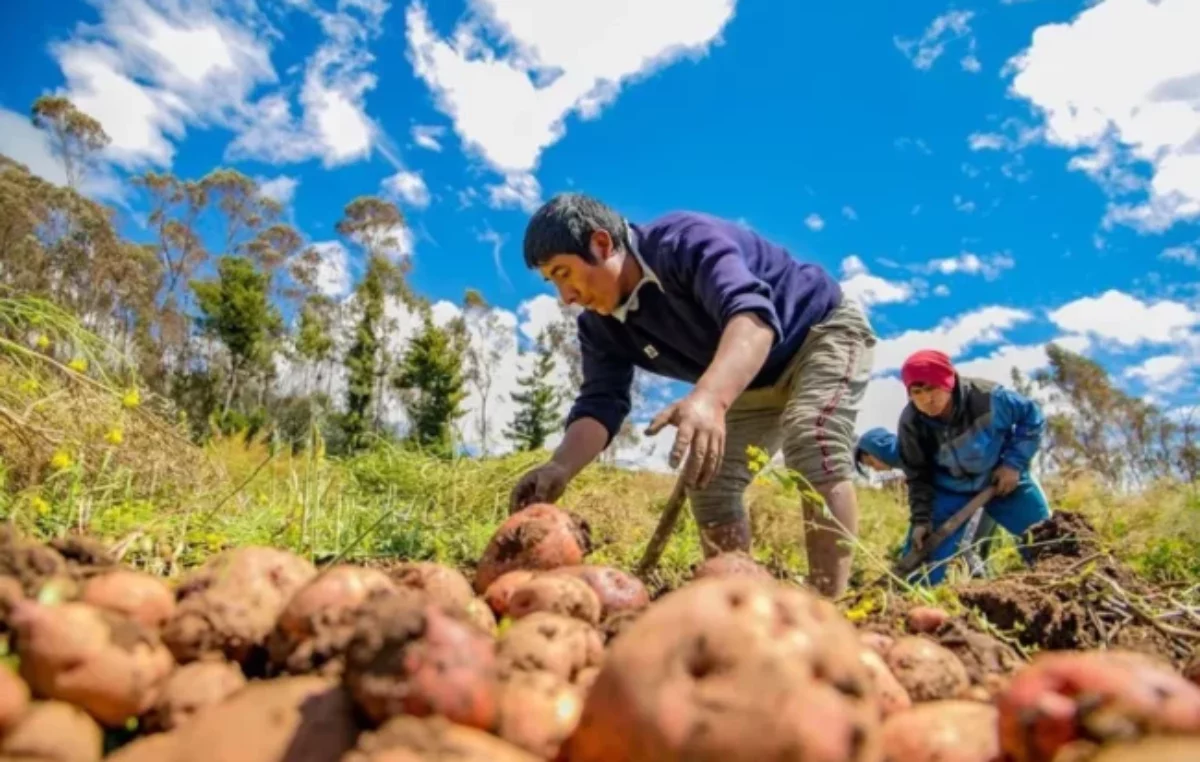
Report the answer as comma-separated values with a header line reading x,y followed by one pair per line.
x,y
1092,696
31,563
538,538
984,657
552,643
85,556
433,739
538,711
555,593
926,619
732,669
191,688
1064,535
315,627
139,596
227,608
11,593
441,583
105,663
14,699
927,671
500,591
421,659
942,731
732,564
53,731
617,590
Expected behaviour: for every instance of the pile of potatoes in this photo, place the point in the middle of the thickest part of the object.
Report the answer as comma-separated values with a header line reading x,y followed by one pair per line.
x,y
258,656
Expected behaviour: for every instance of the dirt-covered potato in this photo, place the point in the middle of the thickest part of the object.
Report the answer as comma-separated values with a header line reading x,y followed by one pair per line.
x,y
556,594
105,663
552,643
441,583
732,564
877,641
53,731
314,628
433,739
228,607
926,619
538,711
139,596
538,538
191,688
927,671
987,660
1095,696
889,692
481,614
422,658
11,593
617,590
500,591
1160,749
1192,669
30,563
14,698
942,731
612,626
86,556
732,669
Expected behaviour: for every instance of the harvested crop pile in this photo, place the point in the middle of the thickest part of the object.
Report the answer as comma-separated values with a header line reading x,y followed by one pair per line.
x,y
433,739
538,538
555,594
732,669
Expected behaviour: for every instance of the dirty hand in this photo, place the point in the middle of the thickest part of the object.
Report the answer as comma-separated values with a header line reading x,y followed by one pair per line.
x,y
543,484
920,536
700,423
1005,479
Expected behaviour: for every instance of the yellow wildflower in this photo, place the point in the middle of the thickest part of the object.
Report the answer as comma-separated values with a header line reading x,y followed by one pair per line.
x,y
29,386
40,506
43,341
79,365
61,460
132,398
115,436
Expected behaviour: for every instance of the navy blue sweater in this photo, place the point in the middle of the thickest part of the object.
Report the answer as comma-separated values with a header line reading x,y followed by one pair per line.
x,y
701,271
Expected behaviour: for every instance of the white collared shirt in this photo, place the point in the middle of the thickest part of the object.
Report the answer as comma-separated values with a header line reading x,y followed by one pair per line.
x,y
648,276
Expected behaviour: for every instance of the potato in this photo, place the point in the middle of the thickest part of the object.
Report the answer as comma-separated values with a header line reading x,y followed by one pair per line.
x,y
141,597
614,625
552,643
890,693
420,659
28,562
103,662
618,591
1160,749
86,556
314,628
942,731
227,608
499,592
556,594
538,711
877,642
926,670
14,699
53,731
538,538
439,582
433,739
11,593
1192,670
926,619
732,669
481,614
1096,696
732,564
191,688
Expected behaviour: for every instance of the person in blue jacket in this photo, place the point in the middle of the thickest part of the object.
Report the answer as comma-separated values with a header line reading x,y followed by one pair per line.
x,y
956,436
879,450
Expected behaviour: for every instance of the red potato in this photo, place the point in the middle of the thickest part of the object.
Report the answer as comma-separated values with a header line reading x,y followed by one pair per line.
x,y
618,623
421,659
927,671
538,538
105,663
877,642
542,642
732,564
1160,749
891,694
926,619
314,628
555,593
53,731
942,731
137,595
500,591
481,614
14,699
538,711
191,688
1092,696
441,583
618,591
732,669
433,739
11,593
228,607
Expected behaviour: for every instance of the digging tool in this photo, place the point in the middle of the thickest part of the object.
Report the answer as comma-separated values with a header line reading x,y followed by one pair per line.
x,y
915,558
666,525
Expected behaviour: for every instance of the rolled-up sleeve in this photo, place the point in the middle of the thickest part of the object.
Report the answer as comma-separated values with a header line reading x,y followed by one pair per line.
x,y
607,377
722,281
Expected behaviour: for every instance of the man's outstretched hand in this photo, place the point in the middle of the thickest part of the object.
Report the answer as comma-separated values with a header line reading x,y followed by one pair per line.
x,y
1006,479
700,423
543,484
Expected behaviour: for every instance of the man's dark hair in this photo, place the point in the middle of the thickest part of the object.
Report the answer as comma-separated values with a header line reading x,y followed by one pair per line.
x,y
564,225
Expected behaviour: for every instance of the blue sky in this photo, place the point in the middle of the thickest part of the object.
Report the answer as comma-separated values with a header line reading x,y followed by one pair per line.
x,y
986,176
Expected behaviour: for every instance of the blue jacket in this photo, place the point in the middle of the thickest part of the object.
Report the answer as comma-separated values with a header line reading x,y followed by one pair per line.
x,y
699,271
880,443
991,425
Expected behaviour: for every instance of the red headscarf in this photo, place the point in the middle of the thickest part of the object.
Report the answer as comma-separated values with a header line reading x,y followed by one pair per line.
x,y
929,367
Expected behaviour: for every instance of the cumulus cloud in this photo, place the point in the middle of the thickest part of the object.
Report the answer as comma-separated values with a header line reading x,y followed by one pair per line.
x,y
428,136
814,222
859,284
953,336
409,187
1125,319
21,141
1163,373
970,263
1188,255
520,190
281,189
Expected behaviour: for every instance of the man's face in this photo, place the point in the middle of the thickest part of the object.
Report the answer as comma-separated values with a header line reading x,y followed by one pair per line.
x,y
594,287
931,401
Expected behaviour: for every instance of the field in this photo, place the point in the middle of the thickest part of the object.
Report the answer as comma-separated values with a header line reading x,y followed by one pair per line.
x,y
258,603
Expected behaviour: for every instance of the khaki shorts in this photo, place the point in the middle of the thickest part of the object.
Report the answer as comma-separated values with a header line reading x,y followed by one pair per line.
x,y
810,412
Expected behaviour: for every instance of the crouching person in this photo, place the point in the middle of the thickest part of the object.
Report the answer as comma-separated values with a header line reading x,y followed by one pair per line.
x,y
958,435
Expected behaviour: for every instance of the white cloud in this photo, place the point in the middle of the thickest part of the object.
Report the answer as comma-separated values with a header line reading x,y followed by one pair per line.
x,y
21,141
969,263
950,26
1125,319
409,187
941,289
496,241
987,141
859,284
814,222
1121,82
849,213
537,314
333,270
953,336
1188,255
519,190
509,103
963,205
998,365
428,136
1163,373
281,189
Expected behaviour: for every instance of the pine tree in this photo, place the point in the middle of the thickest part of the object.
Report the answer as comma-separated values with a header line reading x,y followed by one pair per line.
x,y
431,380
362,359
537,414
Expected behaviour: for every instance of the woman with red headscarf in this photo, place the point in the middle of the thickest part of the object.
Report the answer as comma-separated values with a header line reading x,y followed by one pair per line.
x,y
958,435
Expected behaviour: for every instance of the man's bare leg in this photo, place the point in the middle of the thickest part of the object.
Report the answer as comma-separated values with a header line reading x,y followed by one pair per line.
x,y
726,538
828,540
